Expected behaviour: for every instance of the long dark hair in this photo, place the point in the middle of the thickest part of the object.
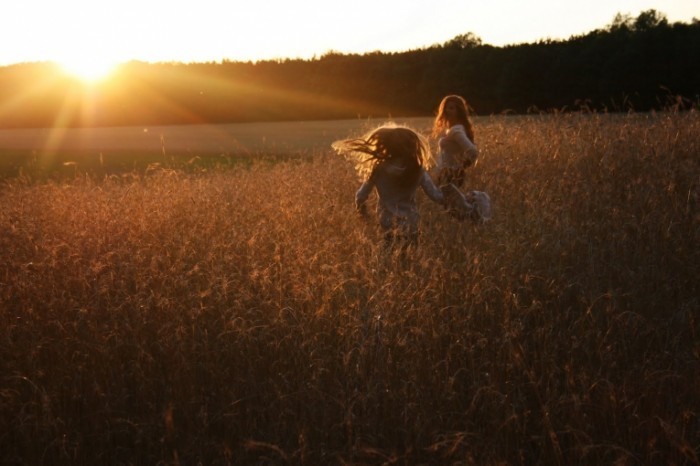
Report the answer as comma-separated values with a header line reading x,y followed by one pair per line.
x,y
388,143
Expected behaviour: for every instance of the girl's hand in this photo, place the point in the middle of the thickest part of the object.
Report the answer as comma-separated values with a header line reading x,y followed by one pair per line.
x,y
469,160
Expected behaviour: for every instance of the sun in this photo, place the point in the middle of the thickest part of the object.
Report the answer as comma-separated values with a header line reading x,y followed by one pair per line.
x,y
89,69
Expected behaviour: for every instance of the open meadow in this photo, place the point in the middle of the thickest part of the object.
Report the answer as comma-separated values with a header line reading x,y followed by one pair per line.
x,y
42,153
241,313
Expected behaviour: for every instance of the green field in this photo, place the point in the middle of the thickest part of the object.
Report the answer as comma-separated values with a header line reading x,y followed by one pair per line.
x,y
243,314
44,152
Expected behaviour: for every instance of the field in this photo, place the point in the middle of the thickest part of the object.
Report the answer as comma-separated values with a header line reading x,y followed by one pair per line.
x,y
241,313
42,153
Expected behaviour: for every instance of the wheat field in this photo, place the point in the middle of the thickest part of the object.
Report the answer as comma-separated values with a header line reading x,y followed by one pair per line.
x,y
246,315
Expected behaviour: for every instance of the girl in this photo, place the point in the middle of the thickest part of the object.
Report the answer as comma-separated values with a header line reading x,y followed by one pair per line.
x,y
393,160
456,140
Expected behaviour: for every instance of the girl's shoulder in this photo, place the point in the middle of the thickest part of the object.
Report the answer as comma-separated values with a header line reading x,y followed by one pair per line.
x,y
456,129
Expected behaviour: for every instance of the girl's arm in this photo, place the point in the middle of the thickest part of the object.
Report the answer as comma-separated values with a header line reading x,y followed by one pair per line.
x,y
471,153
430,189
362,195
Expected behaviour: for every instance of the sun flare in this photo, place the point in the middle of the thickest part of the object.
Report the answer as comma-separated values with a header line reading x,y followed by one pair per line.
x,y
89,69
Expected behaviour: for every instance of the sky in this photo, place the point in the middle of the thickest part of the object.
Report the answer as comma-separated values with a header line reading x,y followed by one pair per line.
x,y
99,33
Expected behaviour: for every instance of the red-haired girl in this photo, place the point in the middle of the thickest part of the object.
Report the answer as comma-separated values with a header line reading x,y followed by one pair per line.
x,y
456,140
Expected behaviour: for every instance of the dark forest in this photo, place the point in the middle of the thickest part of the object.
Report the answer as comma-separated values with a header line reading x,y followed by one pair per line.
x,y
632,64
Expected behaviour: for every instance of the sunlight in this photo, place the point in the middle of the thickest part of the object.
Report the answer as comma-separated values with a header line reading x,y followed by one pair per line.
x,y
89,69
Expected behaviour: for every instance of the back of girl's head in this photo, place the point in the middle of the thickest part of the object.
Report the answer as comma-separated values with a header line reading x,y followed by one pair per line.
x,y
396,143
388,142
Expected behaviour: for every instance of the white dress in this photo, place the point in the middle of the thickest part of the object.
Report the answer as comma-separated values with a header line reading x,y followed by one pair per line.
x,y
456,149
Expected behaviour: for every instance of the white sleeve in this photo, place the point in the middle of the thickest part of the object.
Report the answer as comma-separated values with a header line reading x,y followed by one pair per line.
x,y
363,193
468,148
429,188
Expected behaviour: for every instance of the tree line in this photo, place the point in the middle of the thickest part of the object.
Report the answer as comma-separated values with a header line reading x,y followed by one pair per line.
x,y
636,64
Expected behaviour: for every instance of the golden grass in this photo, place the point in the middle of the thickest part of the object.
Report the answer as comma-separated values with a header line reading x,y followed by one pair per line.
x,y
246,315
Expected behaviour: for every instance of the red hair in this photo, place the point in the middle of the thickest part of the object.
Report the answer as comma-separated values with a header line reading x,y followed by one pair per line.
x,y
441,123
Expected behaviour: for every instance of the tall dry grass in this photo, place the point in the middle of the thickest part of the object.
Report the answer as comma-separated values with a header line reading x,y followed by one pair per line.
x,y
247,316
